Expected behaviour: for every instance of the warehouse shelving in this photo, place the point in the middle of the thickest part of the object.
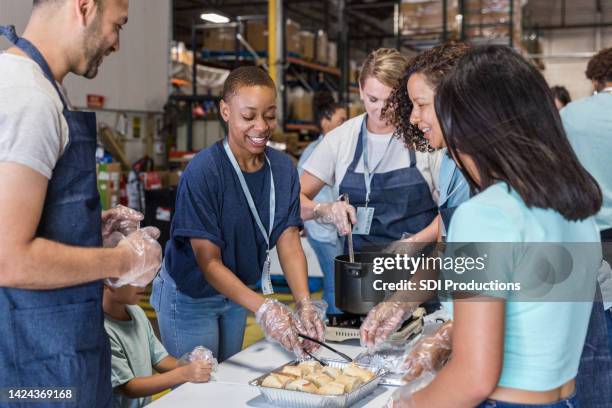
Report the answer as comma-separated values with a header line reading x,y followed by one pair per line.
x,y
313,73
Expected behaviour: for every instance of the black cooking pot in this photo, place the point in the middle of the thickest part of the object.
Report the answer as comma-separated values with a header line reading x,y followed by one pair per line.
x,y
354,283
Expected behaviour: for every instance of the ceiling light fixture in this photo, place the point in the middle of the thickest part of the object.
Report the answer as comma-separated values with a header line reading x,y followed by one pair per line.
x,y
214,18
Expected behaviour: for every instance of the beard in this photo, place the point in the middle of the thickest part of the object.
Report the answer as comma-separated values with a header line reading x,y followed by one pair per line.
x,y
94,49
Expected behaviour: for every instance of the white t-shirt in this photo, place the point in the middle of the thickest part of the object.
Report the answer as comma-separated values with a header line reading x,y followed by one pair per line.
x,y
33,130
334,154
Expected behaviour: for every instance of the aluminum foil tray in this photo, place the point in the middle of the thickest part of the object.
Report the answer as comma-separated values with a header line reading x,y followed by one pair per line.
x,y
302,399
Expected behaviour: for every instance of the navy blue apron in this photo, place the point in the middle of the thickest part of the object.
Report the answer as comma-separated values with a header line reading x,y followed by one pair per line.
x,y
56,338
401,199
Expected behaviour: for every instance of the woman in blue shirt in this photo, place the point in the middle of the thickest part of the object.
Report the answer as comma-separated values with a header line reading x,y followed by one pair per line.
x,y
414,117
500,124
236,200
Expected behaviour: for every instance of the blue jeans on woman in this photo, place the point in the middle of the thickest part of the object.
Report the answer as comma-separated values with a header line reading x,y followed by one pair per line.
x,y
214,322
571,402
326,252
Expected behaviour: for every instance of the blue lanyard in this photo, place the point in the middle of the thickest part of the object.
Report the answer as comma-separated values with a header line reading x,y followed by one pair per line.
x,y
366,169
249,197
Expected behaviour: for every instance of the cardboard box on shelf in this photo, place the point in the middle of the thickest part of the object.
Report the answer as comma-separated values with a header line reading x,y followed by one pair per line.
x,y
300,105
220,39
423,17
257,35
332,54
109,178
491,19
322,47
292,37
354,71
307,40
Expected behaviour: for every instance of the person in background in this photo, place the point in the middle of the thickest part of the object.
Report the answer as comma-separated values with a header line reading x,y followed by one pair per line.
x,y
588,123
496,111
561,95
135,352
52,230
362,159
412,108
236,201
323,238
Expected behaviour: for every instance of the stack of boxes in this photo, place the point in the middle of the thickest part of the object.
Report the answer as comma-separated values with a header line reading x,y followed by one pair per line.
x,y
299,43
427,16
484,18
490,18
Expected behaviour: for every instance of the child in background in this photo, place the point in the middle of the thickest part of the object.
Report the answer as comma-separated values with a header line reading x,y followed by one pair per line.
x,y
136,352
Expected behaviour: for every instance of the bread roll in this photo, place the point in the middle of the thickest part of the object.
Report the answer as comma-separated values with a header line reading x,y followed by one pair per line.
x,y
301,385
361,373
293,370
272,381
350,383
277,380
309,367
318,379
333,372
332,388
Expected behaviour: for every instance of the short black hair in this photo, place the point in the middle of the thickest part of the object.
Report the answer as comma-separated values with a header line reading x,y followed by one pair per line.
x,y
245,76
599,67
561,94
497,108
324,107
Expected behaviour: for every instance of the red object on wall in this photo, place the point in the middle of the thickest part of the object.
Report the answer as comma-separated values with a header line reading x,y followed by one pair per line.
x,y
95,101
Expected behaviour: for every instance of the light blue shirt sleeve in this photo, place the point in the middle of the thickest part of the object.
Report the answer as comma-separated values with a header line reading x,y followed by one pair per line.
x,y
454,188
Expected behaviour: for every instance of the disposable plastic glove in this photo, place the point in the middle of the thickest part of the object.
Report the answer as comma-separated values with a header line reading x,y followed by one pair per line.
x,y
200,354
429,354
280,325
119,219
145,255
311,314
338,213
383,320
402,398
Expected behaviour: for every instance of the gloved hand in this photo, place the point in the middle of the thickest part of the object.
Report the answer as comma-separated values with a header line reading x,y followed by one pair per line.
x,y
384,319
429,354
199,353
145,255
120,219
402,398
338,213
281,326
311,314
197,371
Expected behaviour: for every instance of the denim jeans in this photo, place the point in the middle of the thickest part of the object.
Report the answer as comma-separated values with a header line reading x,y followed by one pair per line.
x,y
326,253
594,379
571,402
609,320
215,322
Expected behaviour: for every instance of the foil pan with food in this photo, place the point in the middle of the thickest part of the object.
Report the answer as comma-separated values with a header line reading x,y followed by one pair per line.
x,y
308,384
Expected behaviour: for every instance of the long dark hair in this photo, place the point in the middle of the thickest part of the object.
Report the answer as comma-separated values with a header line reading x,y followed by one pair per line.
x,y
324,107
497,108
434,64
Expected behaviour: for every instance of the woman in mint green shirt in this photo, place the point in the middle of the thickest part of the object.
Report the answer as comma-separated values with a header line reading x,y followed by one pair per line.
x,y
501,126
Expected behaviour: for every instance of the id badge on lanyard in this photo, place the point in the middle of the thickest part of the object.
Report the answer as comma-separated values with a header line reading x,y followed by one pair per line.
x,y
266,282
365,214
